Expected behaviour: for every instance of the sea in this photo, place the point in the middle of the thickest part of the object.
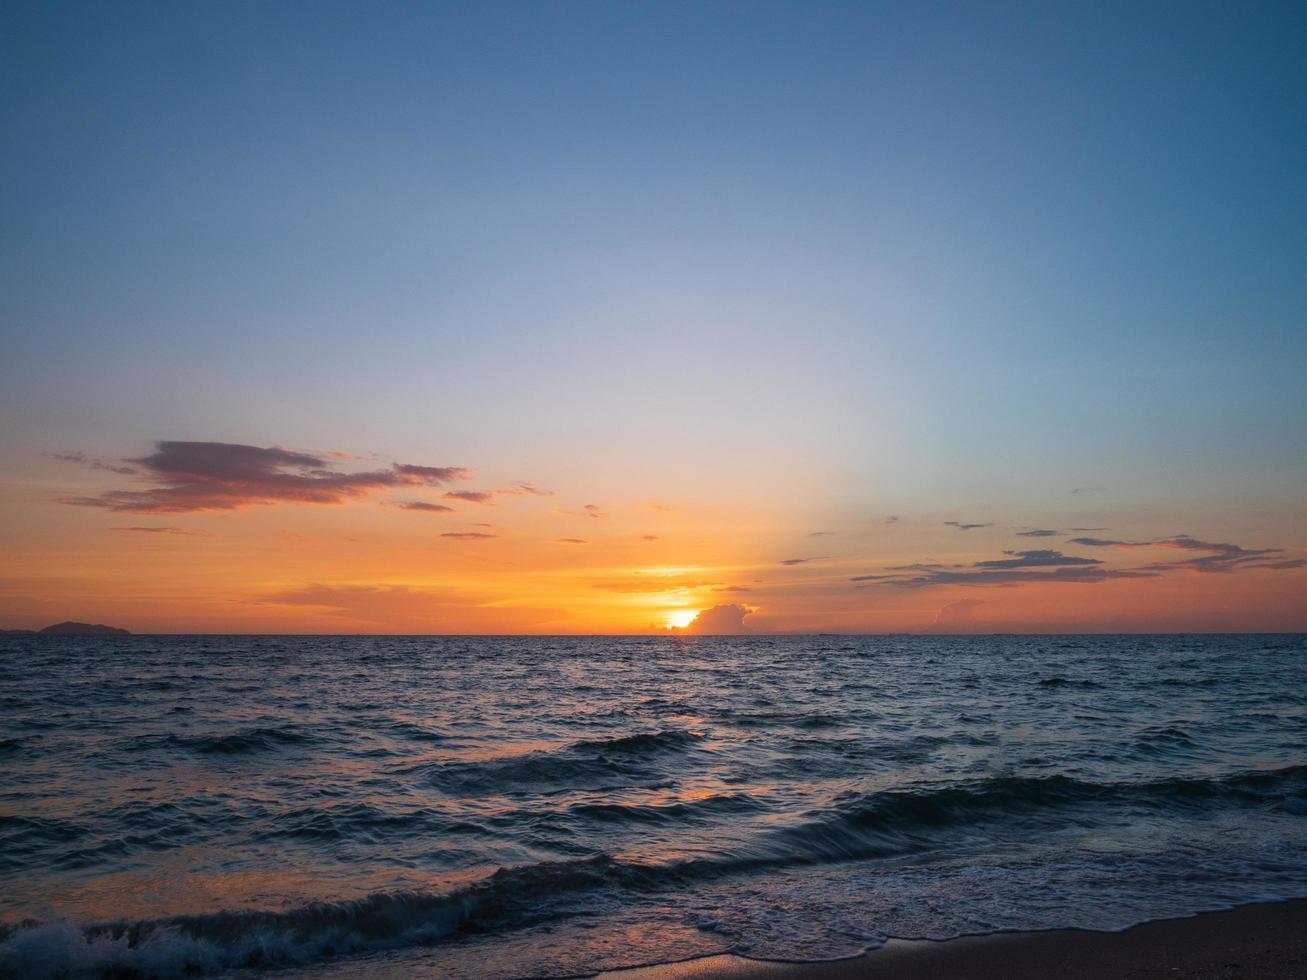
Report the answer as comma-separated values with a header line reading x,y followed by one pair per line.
x,y
504,807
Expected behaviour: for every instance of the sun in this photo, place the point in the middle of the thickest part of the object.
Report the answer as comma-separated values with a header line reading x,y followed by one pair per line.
x,y
680,618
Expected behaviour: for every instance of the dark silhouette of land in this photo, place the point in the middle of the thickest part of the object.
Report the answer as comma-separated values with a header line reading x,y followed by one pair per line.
x,y
70,628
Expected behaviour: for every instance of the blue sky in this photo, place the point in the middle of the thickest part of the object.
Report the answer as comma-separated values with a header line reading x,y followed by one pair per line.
x,y
890,252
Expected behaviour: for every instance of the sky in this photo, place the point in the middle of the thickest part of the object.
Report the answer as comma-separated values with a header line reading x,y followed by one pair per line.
x,y
621,317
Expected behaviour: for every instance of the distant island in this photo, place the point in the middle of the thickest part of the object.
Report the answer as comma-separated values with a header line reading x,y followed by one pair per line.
x,y
72,629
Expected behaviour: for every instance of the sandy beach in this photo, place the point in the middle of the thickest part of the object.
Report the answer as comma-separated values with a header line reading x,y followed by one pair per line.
x,y
1264,941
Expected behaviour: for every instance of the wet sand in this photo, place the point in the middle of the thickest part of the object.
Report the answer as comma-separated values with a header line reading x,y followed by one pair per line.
x,y
1267,942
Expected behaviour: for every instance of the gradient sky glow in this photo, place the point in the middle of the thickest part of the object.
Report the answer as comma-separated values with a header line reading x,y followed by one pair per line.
x,y
728,285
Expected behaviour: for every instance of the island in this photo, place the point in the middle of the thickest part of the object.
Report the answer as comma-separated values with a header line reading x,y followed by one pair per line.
x,y
71,629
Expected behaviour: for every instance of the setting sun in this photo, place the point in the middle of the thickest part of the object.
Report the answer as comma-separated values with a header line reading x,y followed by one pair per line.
x,y
681,618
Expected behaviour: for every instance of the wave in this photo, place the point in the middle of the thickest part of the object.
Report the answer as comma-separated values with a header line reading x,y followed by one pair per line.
x,y
591,764
858,827
232,743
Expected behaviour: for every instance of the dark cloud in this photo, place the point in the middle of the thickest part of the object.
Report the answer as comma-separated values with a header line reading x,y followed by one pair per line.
x,y
965,527
719,621
571,540
1023,567
1036,559
468,535
426,507
592,510
1083,530
800,561
732,588
1038,532
892,519
1219,558
649,537
1211,556
197,476
1007,576
821,534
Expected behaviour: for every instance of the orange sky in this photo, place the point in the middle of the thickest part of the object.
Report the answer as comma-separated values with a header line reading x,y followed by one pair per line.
x,y
214,537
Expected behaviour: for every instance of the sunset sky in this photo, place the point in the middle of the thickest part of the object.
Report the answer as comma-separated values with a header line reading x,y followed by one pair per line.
x,y
578,318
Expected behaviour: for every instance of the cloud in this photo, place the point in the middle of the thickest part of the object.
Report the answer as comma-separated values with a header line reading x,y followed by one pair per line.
x,y
527,489
199,476
1038,532
725,620
387,604
471,496
1008,576
652,584
159,530
920,566
518,489
433,474
426,507
957,614
892,519
732,588
1022,567
96,464
1078,491
650,537
965,527
800,561
1213,557
468,535
1036,559
592,510
821,534
571,540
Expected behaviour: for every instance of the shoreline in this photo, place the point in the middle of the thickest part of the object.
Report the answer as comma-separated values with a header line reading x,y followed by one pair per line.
x,y
1264,940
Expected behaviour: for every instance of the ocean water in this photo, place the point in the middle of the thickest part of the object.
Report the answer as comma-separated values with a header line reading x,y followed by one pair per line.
x,y
509,807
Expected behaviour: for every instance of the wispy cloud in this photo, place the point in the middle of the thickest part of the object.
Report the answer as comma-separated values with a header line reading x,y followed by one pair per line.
x,y
122,469
468,535
800,561
160,530
1036,566
426,507
471,496
1038,532
965,527
1214,557
571,540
